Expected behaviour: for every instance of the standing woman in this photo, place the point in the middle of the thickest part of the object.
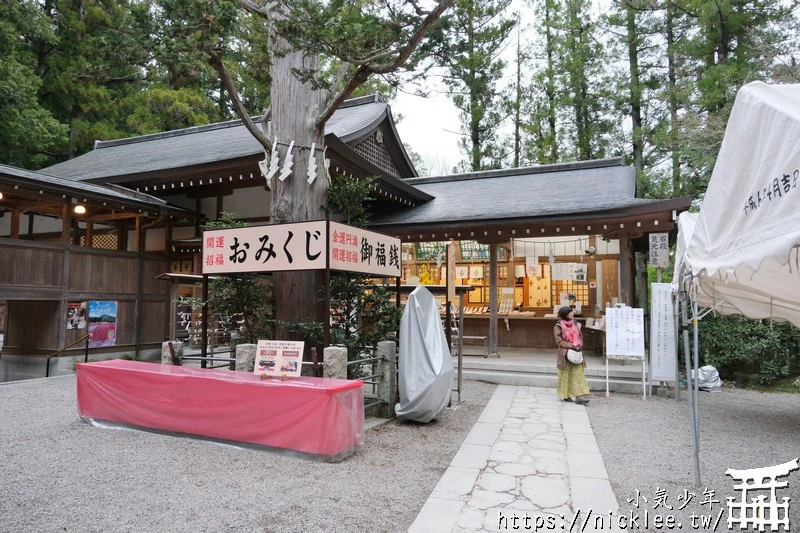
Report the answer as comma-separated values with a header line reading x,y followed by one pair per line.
x,y
571,377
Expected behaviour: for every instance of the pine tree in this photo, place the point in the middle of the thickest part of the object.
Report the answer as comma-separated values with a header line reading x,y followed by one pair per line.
x,y
473,34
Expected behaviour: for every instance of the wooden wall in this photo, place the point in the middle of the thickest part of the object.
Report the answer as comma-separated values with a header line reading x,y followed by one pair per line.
x,y
38,280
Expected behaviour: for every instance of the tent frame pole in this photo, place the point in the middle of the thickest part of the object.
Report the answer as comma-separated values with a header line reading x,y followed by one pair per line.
x,y
689,387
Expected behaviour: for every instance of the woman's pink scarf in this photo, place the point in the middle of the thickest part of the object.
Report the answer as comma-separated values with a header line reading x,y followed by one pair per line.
x,y
569,332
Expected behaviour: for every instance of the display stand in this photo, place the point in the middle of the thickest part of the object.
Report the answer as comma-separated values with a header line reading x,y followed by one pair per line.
x,y
625,339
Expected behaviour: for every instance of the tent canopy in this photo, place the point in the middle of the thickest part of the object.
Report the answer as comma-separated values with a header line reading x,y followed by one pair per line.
x,y
741,250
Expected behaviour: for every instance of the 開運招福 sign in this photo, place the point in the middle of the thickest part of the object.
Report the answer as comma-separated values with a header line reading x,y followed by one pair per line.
x,y
300,246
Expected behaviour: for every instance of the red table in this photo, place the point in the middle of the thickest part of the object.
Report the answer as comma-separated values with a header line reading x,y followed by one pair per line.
x,y
320,416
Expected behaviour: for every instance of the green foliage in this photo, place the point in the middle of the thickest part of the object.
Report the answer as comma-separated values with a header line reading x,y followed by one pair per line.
x,y
241,302
349,199
160,109
735,344
29,134
468,42
368,314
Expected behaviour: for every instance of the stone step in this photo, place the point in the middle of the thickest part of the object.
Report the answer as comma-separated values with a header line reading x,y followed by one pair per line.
x,y
627,380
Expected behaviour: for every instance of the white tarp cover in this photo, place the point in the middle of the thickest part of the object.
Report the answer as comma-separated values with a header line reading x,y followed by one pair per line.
x,y
743,252
424,363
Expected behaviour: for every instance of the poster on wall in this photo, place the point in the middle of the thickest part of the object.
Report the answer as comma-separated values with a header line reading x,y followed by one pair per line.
x,y
102,324
279,358
76,315
579,272
663,350
532,266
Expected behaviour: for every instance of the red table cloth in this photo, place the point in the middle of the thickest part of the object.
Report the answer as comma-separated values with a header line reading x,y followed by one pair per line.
x,y
320,416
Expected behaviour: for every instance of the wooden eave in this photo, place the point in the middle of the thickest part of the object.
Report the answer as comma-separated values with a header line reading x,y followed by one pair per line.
x,y
631,222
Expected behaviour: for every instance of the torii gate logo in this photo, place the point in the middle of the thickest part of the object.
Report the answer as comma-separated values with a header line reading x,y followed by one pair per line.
x,y
758,513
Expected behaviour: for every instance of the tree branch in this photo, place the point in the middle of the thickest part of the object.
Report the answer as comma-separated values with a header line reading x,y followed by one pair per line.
x,y
257,9
363,72
406,51
216,61
361,75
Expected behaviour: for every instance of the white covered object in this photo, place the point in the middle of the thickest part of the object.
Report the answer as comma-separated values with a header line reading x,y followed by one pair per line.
x,y
743,250
424,363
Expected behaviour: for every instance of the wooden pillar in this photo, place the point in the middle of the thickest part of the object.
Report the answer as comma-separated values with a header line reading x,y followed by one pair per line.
x,y
89,237
625,271
15,216
66,224
493,300
591,274
137,241
122,236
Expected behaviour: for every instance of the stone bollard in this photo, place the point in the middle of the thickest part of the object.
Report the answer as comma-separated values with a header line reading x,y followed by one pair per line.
x,y
245,357
236,340
387,384
166,355
335,362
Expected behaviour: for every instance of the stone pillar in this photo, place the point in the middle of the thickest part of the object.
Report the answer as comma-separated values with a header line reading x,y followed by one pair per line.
x,y
335,362
246,357
387,384
236,340
166,356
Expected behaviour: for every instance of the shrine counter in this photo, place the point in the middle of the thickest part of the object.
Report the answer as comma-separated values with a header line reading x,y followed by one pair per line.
x,y
522,331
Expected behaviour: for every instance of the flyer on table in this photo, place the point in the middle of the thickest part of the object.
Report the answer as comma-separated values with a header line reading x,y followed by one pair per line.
x,y
279,358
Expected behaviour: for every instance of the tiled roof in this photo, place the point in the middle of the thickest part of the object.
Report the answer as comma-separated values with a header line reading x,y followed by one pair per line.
x,y
32,179
202,144
543,191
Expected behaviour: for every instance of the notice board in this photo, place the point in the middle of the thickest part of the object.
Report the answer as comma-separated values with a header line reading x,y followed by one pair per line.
x,y
625,333
663,351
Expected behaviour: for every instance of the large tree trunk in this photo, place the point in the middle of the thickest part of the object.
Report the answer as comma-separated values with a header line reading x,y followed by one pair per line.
x,y
295,106
674,135
635,92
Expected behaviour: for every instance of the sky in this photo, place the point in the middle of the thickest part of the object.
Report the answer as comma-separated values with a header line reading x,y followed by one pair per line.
x,y
427,126
431,125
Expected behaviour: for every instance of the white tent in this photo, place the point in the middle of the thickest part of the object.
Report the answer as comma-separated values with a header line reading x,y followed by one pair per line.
x,y
739,255
742,254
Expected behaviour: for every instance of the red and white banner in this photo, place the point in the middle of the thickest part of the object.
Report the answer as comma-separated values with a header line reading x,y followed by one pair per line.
x,y
300,246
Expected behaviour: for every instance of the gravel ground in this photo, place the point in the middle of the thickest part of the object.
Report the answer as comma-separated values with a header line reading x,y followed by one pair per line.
x,y
60,474
647,445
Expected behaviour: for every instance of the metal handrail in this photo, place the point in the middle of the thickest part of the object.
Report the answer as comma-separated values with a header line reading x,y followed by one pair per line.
x,y
364,361
67,347
70,345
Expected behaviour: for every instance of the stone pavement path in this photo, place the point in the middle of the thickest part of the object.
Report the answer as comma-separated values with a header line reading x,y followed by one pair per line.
x,y
528,455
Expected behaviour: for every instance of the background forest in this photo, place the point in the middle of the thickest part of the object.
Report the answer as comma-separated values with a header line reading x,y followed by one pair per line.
x,y
536,81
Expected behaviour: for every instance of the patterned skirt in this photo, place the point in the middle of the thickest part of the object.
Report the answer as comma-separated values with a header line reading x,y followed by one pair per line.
x,y
571,381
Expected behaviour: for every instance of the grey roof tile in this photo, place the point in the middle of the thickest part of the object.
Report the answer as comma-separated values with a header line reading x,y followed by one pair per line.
x,y
68,186
548,190
199,145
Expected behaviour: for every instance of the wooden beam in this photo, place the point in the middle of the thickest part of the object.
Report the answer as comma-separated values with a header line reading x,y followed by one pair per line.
x,y
112,216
